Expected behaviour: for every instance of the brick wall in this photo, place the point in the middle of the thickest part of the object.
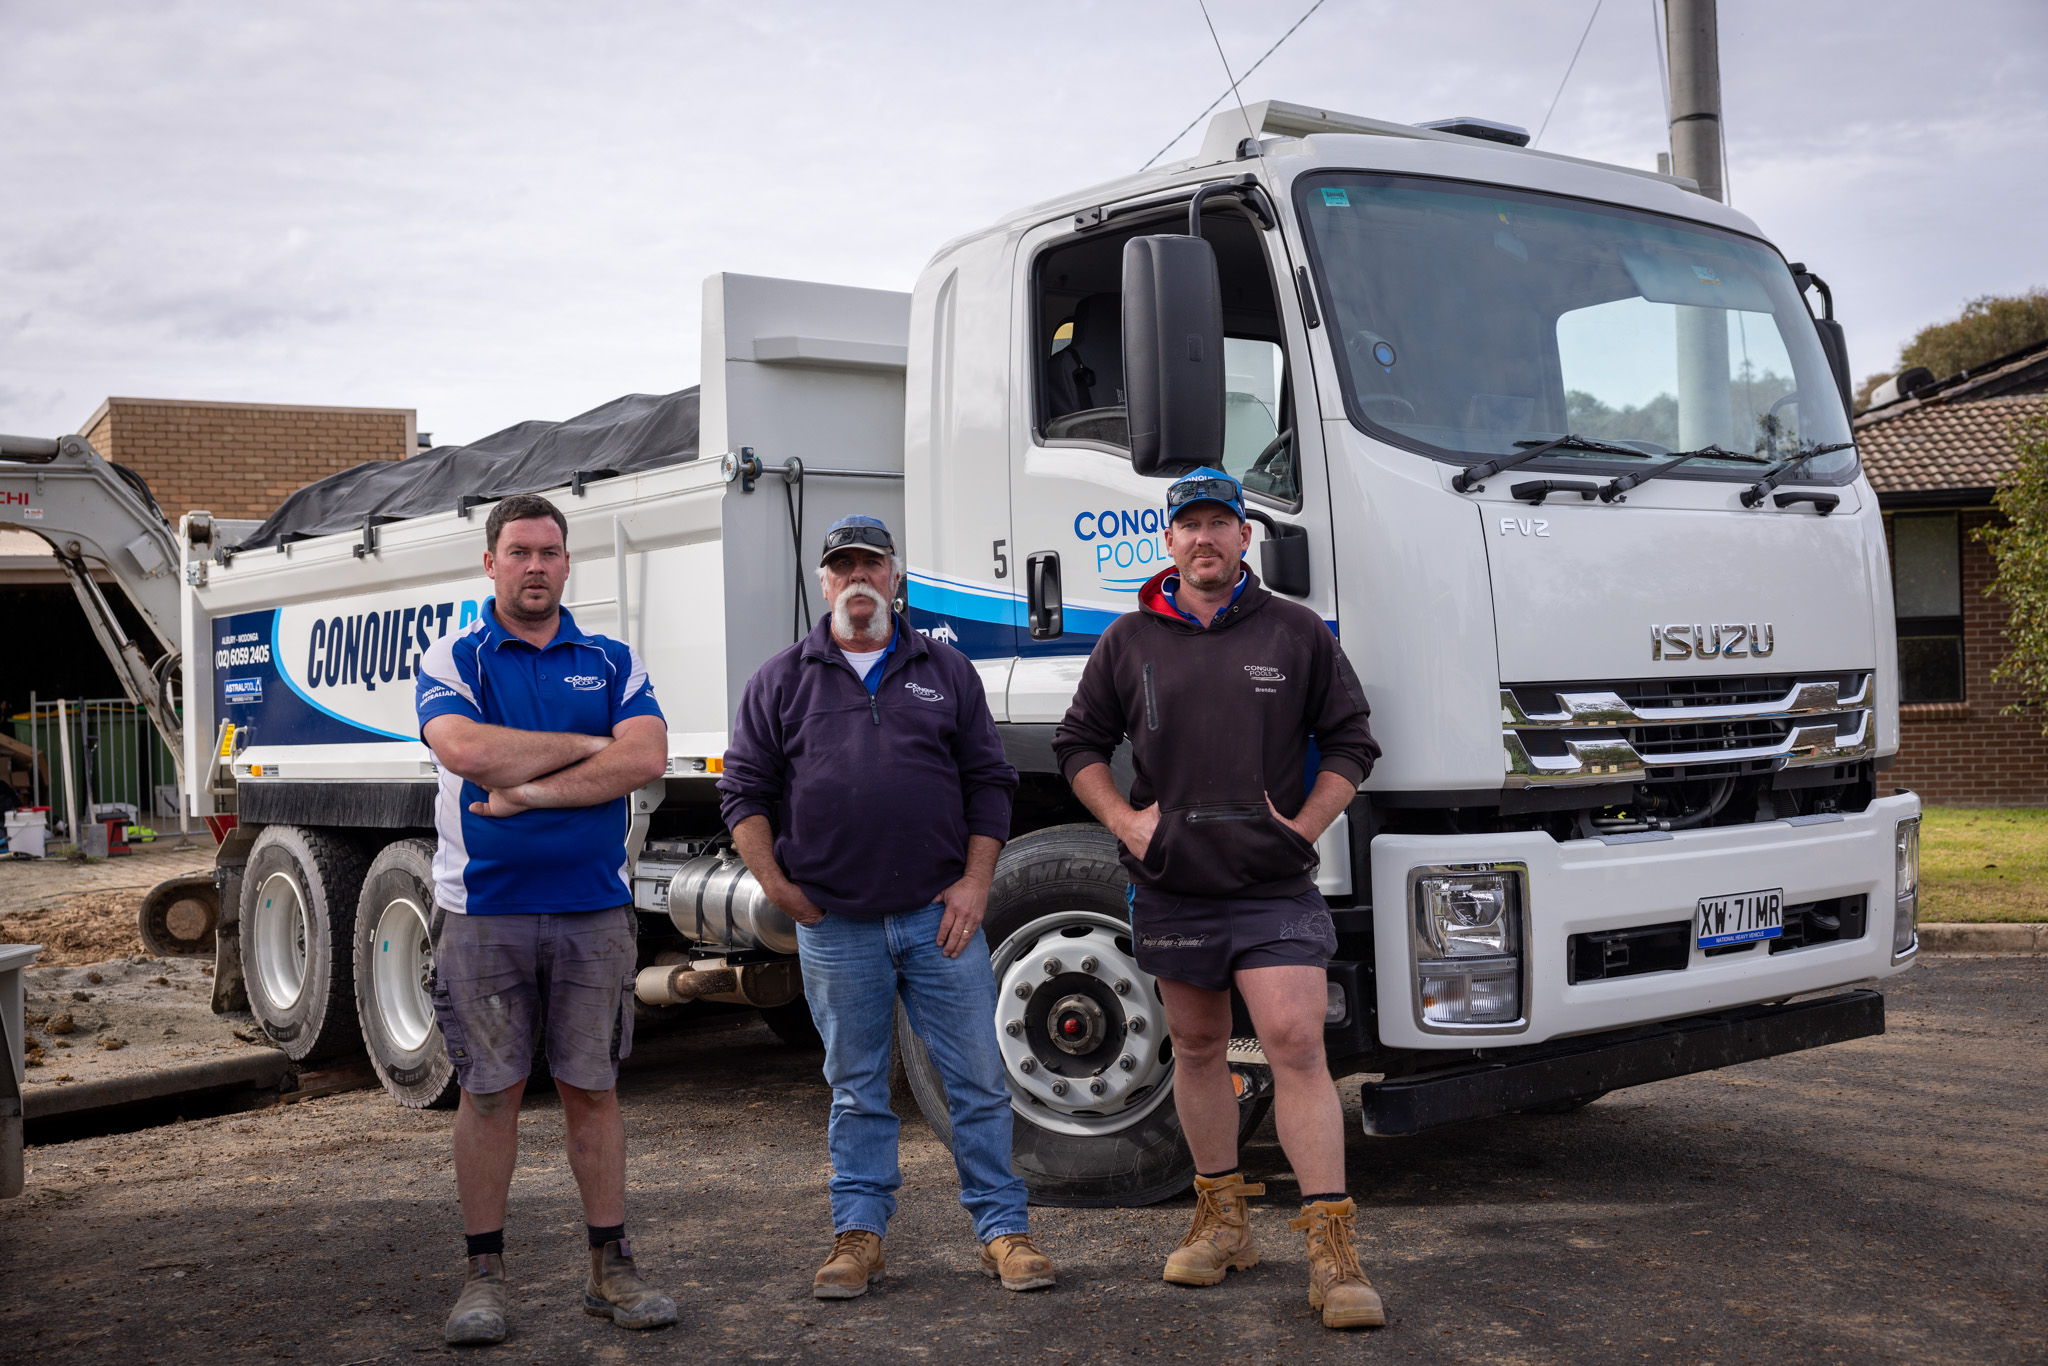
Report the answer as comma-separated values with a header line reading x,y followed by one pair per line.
x,y
241,459
1970,753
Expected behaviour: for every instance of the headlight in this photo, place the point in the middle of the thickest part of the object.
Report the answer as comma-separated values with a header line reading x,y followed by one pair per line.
x,y
1468,945
1468,914
1906,887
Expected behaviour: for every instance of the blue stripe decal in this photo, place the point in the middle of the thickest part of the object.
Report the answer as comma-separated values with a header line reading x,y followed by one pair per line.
x,y
946,598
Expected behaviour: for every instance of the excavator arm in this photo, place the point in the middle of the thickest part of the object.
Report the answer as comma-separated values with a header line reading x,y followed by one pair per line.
x,y
100,518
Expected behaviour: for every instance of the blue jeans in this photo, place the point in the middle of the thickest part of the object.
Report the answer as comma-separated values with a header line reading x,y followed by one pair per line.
x,y
854,967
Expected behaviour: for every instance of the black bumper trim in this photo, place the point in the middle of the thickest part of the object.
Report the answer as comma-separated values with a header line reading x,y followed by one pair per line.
x,y
1585,1067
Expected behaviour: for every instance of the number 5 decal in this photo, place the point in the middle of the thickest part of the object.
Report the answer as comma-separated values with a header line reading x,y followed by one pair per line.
x,y
1002,559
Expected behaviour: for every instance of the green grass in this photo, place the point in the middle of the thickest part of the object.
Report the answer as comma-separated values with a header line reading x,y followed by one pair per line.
x,y
1979,864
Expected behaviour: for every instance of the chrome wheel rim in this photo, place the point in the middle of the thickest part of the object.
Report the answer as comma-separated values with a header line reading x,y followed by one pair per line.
x,y
1081,1026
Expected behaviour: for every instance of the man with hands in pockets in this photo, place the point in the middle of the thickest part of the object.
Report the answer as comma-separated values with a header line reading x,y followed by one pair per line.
x,y
866,788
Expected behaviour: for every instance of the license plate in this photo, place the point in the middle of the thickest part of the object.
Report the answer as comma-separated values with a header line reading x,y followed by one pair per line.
x,y
1741,918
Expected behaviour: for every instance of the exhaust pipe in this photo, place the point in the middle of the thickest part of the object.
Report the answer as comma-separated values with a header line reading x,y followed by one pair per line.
x,y
750,984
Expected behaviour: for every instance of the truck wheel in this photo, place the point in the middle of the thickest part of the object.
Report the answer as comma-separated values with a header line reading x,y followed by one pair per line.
x,y
299,894
1081,1028
394,965
177,917
792,1023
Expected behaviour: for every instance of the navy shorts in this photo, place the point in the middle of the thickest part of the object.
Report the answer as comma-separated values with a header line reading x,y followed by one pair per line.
x,y
503,982
1203,940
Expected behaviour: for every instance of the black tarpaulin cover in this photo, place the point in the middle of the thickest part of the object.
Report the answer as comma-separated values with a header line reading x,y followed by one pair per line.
x,y
637,432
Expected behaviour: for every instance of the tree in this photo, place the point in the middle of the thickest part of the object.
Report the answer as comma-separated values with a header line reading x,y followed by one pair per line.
x,y
2019,548
1989,327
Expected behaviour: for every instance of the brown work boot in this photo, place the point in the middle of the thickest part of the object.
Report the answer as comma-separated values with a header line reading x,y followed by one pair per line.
x,y
1011,1259
856,1261
616,1291
1221,1239
1336,1283
479,1315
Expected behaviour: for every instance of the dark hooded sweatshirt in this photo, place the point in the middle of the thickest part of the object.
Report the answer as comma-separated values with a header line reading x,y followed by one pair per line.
x,y
872,796
1219,719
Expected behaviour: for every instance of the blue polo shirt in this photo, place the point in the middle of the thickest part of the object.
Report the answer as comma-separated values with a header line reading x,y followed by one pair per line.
x,y
563,859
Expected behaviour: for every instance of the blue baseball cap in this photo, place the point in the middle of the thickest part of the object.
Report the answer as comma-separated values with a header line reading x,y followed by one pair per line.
x,y
861,532
1205,485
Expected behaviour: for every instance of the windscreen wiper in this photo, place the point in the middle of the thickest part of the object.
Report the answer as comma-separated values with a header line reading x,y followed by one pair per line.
x,y
1616,490
1468,480
1777,473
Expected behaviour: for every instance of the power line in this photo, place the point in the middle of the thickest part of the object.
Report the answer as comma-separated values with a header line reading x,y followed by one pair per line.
x,y
1568,67
1235,83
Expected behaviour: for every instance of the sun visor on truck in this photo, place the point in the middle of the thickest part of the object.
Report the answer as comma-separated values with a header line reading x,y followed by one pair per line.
x,y
627,435
1695,279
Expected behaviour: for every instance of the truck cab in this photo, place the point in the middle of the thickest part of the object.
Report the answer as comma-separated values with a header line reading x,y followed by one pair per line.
x,y
1502,418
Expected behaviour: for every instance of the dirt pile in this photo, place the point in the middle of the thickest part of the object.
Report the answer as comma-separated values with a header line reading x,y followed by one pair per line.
x,y
89,927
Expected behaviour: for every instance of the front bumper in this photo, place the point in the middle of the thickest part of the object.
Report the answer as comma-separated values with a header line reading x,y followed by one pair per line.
x,y
1587,1067
1581,886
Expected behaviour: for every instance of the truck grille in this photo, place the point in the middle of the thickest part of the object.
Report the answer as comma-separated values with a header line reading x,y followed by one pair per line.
x,y
1668,730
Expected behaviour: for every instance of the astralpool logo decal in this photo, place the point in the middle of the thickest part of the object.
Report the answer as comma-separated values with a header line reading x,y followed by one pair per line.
x,y
243,689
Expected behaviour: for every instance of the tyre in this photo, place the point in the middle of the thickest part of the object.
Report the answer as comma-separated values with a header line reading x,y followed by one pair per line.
x,y
177,918
792,1023
394,965
299,893
1082,1032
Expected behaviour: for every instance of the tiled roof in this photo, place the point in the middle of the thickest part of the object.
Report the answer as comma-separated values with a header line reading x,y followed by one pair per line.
x,y
1930,446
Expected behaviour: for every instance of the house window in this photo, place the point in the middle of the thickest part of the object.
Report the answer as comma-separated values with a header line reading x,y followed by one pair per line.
x,y
1927,585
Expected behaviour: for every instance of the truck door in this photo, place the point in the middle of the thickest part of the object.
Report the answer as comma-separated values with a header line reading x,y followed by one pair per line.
x,y
1087,529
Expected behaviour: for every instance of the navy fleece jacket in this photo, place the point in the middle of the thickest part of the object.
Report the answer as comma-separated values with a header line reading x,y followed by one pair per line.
x,y
872,798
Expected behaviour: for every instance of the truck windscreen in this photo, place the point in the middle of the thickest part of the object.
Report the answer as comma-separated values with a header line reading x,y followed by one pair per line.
x,y
1468,318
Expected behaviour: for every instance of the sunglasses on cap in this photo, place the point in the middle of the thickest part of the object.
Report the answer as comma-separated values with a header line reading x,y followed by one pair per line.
x,y
859,536
1218,488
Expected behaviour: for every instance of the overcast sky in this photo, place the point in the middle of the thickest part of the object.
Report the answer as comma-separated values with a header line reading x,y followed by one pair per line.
x,y
490,212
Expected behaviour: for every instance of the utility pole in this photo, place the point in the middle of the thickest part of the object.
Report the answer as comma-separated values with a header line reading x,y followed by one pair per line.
x,y
1705,413
1692,41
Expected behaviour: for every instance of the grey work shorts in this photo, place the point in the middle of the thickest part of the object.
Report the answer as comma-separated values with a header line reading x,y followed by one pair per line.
x,y
503,981
1204,940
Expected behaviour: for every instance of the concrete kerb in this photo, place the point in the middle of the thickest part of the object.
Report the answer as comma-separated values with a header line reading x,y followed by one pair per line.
x,y
1990,938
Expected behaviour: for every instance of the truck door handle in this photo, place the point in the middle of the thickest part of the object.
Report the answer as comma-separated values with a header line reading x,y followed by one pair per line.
x,y
1042,594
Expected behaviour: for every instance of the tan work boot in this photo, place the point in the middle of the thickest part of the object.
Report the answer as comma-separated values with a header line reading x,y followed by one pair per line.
x,y
1011,1259
1336,1283
856,1260
479,1317
1221,1239
616,1291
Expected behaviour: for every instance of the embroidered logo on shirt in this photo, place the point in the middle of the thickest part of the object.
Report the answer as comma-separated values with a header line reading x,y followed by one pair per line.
x,y
584,682
436,693
1265,673
925,694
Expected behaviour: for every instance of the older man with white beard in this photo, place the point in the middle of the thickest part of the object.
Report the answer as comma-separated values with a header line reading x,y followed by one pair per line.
x,y
867,790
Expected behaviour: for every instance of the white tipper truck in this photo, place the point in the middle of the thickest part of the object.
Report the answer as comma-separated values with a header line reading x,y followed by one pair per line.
x,y
1557,448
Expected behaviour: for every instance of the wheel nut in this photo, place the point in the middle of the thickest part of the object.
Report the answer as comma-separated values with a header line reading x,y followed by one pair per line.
x,y
1027,1065
1126,1062
1014,1028
1053,967
1095,1088
1122,986
1059,1088
1137,1024
1023,992
1088,965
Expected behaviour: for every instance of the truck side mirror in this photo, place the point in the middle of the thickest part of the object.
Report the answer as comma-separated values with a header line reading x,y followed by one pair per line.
x,y
1173,353
1835,343
1283,555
